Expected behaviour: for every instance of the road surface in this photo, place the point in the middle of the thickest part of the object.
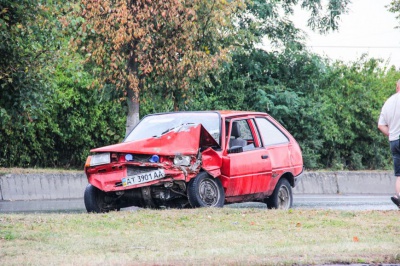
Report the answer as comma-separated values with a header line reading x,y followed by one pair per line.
x,y
326,201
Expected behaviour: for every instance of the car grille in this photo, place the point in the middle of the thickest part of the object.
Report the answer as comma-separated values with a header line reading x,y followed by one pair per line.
x,y
143,158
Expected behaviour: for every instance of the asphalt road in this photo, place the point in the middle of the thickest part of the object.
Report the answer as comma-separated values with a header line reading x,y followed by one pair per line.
x,y
345,202
327,202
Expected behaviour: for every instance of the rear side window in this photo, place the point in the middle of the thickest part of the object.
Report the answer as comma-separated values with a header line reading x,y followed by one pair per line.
x,y
271,135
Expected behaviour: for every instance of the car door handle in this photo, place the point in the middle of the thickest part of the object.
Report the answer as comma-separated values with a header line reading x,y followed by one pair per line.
x,y
264,156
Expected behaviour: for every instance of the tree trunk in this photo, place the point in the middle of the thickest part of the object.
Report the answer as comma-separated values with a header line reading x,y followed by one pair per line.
x,y
132,117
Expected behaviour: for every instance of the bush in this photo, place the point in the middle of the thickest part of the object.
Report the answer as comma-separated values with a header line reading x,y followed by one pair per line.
x,y
73,121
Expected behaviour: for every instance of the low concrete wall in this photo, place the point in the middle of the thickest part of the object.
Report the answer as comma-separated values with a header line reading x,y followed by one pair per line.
x,y
347,182
36,186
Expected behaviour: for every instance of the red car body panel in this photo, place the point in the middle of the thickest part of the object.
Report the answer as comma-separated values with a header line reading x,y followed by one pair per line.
x,y
249,174
185,140
212,162
106,180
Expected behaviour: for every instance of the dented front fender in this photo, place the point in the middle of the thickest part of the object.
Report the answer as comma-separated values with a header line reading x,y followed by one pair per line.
x,y
212,162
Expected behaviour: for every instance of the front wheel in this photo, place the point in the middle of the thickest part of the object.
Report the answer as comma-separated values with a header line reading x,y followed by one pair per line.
x,y
98,201
205,191
282,198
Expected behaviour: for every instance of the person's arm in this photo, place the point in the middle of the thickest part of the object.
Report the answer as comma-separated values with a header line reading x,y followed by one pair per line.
x,y
382,124
384,129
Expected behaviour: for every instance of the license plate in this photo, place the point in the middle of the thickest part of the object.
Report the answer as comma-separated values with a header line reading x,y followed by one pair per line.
x,y
143,178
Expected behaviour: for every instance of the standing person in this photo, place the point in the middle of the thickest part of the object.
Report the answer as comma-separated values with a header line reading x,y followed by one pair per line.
x,y
389,124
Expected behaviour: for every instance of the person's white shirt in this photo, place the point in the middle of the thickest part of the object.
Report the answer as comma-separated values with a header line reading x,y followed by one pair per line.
x,y
390,116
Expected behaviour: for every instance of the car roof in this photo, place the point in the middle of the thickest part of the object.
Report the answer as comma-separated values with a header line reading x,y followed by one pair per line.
x,y
222,113
229,113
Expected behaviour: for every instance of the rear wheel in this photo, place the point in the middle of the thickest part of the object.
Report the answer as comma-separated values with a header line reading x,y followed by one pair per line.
x,y
205,191
99,201
282,198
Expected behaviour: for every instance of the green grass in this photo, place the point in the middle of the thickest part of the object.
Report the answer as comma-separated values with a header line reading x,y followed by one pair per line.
x,y
201,237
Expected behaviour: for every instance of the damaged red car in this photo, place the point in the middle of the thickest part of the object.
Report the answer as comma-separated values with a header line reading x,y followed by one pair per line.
x,y
196,159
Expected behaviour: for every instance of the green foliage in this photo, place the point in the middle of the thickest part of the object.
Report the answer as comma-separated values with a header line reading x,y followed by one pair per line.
x,y
330,108
29,40
85,118
29,35
352,97
48,117
77,119
217,30
394,7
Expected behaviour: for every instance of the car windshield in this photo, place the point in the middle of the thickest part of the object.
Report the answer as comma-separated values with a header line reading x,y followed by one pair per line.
x,y
157,125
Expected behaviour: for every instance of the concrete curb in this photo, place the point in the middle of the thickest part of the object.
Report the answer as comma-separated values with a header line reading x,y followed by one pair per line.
x,y
38,186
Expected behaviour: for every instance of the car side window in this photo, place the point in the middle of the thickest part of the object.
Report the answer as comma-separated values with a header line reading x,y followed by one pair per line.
x,y
271,135
245,130
241,135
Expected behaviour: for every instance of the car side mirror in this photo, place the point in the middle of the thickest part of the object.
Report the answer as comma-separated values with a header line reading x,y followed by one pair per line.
x,y
235,149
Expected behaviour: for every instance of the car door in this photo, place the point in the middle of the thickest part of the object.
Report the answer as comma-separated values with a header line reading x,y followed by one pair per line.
x,y
249,169
277,144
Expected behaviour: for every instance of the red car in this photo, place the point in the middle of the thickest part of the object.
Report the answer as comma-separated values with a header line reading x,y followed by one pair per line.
x,y
196,159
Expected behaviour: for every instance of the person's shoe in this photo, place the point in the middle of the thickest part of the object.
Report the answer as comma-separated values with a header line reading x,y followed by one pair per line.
x,y
396,201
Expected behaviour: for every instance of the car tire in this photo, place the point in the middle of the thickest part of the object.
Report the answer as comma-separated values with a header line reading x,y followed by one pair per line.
x,y
282,197
98,201
205,191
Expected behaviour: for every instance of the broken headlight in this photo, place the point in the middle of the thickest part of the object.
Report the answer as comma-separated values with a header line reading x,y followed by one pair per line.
x,y
181,160
99,159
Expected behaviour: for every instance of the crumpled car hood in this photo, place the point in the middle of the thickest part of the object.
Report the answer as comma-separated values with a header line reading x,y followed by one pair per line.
x,y
184,140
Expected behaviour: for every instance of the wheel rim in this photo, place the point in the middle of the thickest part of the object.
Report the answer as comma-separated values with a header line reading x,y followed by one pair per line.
x,y
209,192
283,198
